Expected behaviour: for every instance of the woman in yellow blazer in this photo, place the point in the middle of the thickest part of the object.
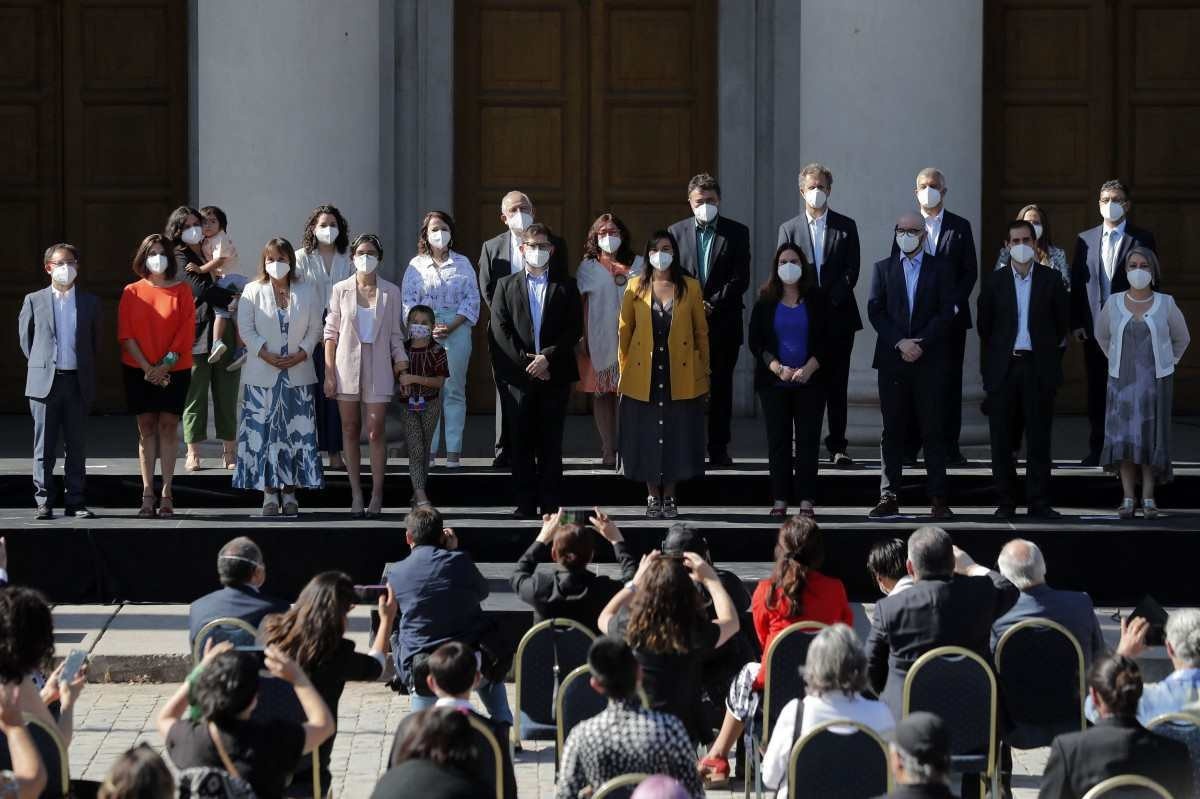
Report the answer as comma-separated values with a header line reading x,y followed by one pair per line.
x,y
663,356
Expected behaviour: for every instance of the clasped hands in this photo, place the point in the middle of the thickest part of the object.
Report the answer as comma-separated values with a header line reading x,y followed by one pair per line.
x,y
910,349
539,367
281,361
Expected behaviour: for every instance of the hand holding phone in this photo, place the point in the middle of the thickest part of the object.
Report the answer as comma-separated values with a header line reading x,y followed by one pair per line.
x,y
71,666
369,594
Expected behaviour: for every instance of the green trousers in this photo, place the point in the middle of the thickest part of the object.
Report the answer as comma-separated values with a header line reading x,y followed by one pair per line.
x,y
224,387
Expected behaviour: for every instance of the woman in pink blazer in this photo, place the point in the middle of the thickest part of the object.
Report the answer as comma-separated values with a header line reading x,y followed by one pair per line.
x,y
364,355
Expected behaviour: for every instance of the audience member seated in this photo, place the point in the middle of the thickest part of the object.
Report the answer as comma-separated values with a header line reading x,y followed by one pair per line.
x,y
794,592
625,738
1118,744
242,572
569,589
661,615
453,674
953,602
435,759
138,774
262,753
835,676
1022,564
440,592
885,562
1180,689
313,633
920,758
659,786
26,778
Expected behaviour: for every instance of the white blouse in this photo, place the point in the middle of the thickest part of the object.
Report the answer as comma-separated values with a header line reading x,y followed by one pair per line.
x,y
1168,332
311,268
450,288
603,309
364,320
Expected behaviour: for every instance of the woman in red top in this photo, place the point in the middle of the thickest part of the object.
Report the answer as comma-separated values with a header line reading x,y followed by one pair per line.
x,y
794,592
156,328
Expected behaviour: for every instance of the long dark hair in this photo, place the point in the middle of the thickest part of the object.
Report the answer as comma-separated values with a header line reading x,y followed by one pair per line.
x,y
665,609
799,548
177,223
143,252
26,633
313,628
676,271
309,239
138,774
423,245
591,246
772,289
441,735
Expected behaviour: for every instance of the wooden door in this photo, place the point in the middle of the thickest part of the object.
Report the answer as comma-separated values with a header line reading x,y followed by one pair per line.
x,y
1080,91
586,107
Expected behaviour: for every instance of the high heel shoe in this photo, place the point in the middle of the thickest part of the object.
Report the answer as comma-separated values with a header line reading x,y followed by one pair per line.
x,y
147,510
375,509
192,462
166,507
1126,510
356,508
229,453
1149,509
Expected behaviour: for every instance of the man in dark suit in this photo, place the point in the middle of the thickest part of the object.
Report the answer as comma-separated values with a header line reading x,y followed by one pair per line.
x,y
830,241
1097,273
910,307
536,322
500,257
59,329
242,572
952,602
1023,317
716,251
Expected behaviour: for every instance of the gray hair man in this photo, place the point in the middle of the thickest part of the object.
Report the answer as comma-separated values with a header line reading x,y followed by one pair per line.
x,y
242,572
1180,689
919,755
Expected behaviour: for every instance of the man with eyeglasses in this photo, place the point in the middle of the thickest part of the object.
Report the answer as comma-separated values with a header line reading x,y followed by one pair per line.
x,y
911,308
59,329
537,319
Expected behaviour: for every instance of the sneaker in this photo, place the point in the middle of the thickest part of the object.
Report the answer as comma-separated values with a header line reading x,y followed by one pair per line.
x,y
654,508
670,509
239,359
270,504
290,506
217,351
887,506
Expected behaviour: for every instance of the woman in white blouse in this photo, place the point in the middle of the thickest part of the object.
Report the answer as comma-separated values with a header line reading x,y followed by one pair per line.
x,y
321,262
607,263
445,281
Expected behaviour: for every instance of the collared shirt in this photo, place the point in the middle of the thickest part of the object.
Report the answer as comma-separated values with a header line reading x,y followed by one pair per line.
x,y
515,259
816,233
1024,287
454,702
704,239
903,584
537,305
912,274
1110,245
64,328
1176,691
933,230
450,288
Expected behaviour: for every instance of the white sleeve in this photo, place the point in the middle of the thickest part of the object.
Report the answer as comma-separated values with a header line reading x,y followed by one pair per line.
x,y
775,761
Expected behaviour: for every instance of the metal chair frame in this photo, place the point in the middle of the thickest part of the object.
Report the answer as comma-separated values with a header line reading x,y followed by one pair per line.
x,y
1048,624
797,748
224,621
1126,781
519,664
623,781
497,755
64,764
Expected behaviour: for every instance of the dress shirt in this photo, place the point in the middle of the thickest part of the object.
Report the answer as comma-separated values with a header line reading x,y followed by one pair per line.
x,y
450,288
933,230
816,232
1172,694
1110,245
912,274
515,259
537,304
463,705
704,239
1024,286
903,584
64,328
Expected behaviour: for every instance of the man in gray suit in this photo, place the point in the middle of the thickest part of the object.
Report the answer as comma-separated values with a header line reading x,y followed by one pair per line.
x,y
59,329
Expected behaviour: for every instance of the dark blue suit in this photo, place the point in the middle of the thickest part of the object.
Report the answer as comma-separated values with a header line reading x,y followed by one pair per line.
x,y
1071,609
238,602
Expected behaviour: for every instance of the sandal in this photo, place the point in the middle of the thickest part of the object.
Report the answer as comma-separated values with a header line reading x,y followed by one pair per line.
x,y
166,507
229,452
192,463
147,510
714,771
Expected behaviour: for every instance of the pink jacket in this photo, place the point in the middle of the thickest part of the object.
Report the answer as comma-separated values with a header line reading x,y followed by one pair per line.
x,y
340,327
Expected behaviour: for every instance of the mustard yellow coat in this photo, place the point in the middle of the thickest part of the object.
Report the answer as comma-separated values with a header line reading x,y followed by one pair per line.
x,y
687,344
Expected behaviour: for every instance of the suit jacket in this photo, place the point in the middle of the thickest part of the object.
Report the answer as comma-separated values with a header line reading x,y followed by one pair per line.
x,y
512,329
1049,316
36,331
840,261
494,263
341,327
1086,266
728,274
688,344
498,729
236,601
764,343
1080,760
258,324
1071,609
928,320
956,246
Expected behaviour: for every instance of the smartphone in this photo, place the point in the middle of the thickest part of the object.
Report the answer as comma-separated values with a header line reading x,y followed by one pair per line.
x,y
73,664
369,594
257,652
1151,611
578,516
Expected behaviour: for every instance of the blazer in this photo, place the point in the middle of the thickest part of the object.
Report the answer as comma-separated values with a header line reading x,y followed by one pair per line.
x,y
956,246
1169,335
1071,609
512,329
728,274
494,263
1086,266
340,327
236,601
687,343
840,261
1049,316
764,343
890,315
258,325
1080,760
35,328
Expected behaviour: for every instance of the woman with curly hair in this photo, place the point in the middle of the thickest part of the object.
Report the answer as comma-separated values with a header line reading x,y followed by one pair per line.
x,y
434,757
795,591
661,614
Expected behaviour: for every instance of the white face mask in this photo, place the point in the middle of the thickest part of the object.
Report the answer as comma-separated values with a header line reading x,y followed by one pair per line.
x,y
278,269
326,235
1139,278
419,331
63,274
816,198
1037,230
193,235
439,238
366,263
610,244
705,213
1021,253
518,221
536,258
1112,211
789,272
157,264
661,260
908,242
929,197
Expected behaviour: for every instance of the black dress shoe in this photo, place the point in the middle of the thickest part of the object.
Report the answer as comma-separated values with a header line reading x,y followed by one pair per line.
x,y
720,461
1043,512
43,513
940,510
887,506
501,461
79,512
1006,512
1093,459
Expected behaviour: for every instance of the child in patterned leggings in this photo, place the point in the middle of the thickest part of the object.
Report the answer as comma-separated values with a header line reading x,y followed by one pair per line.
x,y
420,391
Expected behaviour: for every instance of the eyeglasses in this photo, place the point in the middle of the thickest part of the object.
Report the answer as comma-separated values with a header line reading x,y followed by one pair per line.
x,y
64,263
534,245
913,231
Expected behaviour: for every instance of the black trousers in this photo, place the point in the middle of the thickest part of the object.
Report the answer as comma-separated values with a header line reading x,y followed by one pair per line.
x,y
1095,362
913,390
956,347
793,414
836,374
59,416
722,358
1021,389
534,416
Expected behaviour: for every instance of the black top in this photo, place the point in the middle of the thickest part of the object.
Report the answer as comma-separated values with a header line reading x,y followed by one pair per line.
x,y
264,752
329,678
501,733
424,779
997,320
1080,760
558,592
931,790
764,342
727,278
207,294
840,263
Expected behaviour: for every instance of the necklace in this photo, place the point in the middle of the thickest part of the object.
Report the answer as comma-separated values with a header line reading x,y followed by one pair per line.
x,y
1135,299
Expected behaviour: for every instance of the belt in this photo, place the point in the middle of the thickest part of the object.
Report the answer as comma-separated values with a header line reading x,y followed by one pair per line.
x,y
65,371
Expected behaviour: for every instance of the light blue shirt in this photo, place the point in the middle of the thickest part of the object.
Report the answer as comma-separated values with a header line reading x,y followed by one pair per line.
x,y
1178,690
1024,287
537,304
912,274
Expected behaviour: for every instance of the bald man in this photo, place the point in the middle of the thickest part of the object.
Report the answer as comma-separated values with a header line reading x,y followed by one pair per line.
x,y
911,306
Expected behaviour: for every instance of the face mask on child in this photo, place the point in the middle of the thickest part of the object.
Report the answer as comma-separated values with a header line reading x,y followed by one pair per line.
x,y
419,331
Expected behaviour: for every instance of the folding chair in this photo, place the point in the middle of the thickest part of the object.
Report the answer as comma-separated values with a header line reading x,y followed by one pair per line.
x,y
1128,786
577,701
1184,727
838,758
621,787
236,631
547,652
491,759
1042,681
53,753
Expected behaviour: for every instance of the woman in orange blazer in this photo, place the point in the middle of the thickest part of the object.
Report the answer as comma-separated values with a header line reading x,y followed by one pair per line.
x,y
663,355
